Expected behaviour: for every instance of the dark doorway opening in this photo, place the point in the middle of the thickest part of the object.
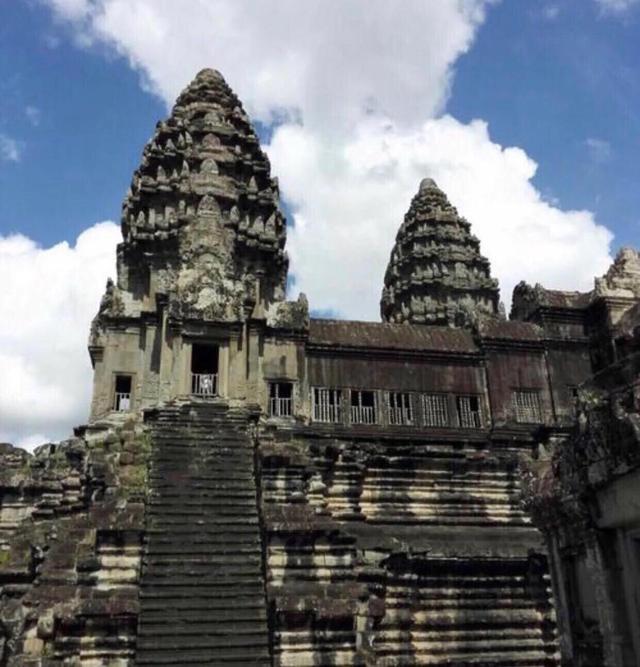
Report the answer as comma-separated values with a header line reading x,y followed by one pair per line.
x,y
204,369
122,398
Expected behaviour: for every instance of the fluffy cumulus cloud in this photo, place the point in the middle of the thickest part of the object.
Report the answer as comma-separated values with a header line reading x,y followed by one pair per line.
x,y
357,94
328,62
358,97
346,222
44,325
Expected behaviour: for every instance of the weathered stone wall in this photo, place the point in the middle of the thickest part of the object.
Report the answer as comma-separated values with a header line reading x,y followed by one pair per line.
x,y
72,519
397,550
584,493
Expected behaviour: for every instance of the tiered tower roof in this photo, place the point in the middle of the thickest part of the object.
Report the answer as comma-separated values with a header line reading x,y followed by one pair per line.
x,y
436,274
203,208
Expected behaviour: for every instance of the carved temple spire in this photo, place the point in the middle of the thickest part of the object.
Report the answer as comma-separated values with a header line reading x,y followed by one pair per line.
x,y
436,274
202,212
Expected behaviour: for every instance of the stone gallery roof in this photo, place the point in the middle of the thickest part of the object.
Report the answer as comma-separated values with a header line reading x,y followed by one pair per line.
x,y
436,274
510,330
528,299
571,300
405,337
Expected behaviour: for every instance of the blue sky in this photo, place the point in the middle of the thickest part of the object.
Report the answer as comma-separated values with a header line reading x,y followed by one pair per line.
x,y
525,113
558,79
567,89
92,121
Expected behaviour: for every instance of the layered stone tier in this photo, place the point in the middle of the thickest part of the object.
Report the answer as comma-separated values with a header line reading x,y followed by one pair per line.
x,y
71,527
401,552
436,274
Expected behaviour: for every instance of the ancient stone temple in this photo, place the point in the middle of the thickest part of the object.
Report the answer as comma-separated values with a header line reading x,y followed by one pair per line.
x,y
259,487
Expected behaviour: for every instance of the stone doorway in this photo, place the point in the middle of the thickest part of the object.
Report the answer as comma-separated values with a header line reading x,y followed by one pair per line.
x,y
204,369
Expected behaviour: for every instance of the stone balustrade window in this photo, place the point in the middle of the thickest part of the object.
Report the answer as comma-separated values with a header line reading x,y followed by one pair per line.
x,y
468,408
436,409
526,406
204,370
400,409
204,384
363,407
574,396
280,399
122,394
327,404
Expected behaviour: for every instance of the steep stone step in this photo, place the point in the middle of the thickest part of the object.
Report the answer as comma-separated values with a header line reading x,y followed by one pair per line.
x,y
213,564
202,589
205,533
197,657
234,591
205,556
168,523
193,615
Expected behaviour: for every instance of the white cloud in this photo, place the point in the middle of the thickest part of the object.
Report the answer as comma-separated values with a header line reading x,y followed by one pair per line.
x,y
73,10
44,326
33,115
346,222
368,89
332,60
30,442
599,149
616,7
550,12
10,150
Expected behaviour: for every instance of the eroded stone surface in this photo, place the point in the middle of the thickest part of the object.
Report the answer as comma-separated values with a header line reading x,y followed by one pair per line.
x,y
584,493
70,548
201,222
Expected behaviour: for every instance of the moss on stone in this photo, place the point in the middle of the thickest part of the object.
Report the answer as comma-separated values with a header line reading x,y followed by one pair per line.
x,y
134,477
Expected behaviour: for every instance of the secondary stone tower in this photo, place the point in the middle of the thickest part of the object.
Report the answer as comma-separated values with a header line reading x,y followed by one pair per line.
x,y
436,274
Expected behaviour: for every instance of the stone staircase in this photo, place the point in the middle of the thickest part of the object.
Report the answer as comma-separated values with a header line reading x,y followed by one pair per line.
x,y
202,599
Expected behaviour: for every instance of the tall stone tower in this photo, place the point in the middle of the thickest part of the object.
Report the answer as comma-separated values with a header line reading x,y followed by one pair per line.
x,y
203,242
436,274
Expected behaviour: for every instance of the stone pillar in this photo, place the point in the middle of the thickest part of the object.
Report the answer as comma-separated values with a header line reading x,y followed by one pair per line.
x,y
561,599
601,579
